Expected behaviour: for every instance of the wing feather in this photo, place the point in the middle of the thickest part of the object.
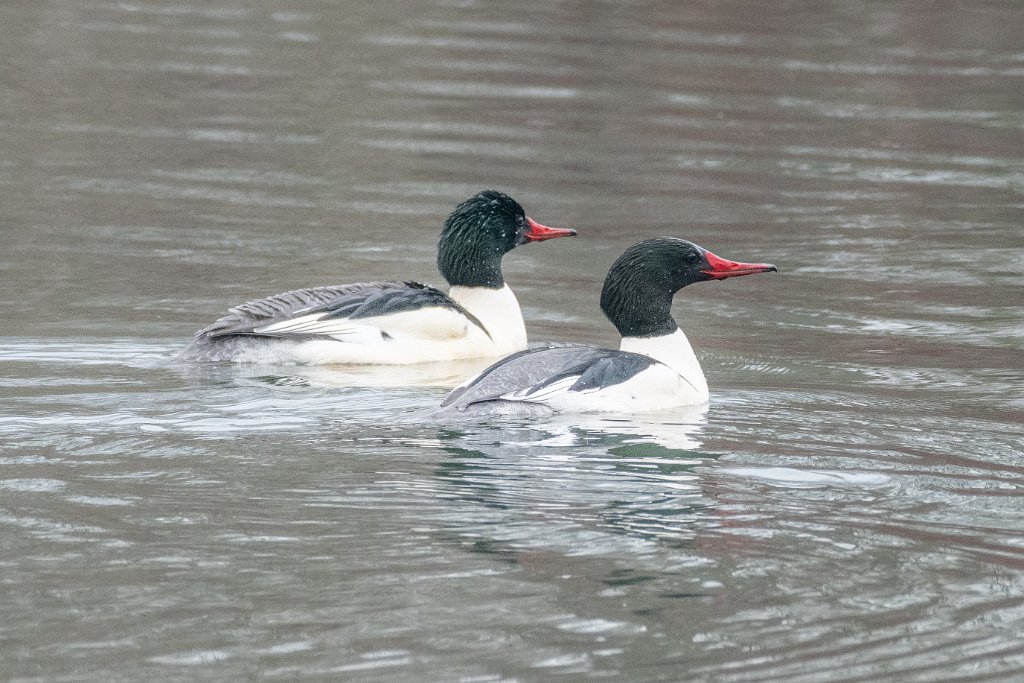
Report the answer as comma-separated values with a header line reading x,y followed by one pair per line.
x,y
538,374
320,312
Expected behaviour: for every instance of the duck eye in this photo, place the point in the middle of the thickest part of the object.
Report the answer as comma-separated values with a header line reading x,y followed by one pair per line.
x,y
520,225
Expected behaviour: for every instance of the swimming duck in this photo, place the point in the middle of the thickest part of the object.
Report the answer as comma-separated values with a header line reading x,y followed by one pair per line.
x,y
395,323
654,368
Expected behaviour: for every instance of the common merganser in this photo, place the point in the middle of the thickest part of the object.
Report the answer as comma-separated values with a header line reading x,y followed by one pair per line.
x,y
655,367
395,323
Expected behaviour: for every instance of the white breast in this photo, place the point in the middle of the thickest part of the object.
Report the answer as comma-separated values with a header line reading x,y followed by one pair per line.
x,y
673,350
498,310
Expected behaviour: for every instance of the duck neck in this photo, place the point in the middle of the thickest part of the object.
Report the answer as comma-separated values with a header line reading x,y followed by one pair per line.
x,y
470,266
637,299
468,255
674,350
498,311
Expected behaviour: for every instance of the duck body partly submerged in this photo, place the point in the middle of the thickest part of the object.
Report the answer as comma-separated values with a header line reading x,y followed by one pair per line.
x,y
577,378
655,367
394,323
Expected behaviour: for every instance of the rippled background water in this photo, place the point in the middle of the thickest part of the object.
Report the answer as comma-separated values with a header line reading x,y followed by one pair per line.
x,y
849,509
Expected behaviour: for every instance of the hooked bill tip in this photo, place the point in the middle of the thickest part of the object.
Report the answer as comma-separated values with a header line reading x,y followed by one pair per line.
x,y
536,232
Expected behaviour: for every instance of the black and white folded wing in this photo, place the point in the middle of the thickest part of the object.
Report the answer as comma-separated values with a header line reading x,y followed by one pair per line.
x,y
570,378
405,322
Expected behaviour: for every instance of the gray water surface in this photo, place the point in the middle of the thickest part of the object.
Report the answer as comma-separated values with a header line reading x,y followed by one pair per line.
x,y
849,507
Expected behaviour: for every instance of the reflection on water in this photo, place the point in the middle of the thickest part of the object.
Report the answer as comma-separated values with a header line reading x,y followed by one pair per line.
x,y
578,490
437,375
847,509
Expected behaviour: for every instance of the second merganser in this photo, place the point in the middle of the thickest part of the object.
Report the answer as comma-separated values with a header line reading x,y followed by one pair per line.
x,y
395,323
654,368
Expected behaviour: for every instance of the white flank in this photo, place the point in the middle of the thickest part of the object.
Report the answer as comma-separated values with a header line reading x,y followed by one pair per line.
x,y
675,380
418,336
341,329
657,388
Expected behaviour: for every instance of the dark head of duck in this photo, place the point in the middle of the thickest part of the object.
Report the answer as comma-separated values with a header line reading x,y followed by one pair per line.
x,y
637,294
479,232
